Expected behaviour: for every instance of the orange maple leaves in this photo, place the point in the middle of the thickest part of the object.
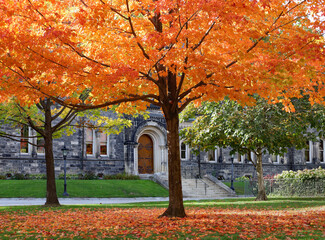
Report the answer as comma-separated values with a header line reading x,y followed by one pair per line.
x,y
235,47
143,223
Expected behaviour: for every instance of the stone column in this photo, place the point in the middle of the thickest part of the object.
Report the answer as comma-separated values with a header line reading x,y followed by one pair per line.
x,y
164,159
129,157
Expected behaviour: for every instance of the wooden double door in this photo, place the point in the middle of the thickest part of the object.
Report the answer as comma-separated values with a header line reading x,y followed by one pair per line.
x,y
145,155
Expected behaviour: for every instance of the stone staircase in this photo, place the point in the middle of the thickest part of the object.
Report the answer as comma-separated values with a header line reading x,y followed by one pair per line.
x,y
206,187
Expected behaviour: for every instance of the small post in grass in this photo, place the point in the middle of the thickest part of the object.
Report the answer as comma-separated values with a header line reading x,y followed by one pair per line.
x,y
232,173
65,154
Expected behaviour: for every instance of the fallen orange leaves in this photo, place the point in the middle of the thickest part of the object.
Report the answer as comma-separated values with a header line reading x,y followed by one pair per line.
x,y
144,223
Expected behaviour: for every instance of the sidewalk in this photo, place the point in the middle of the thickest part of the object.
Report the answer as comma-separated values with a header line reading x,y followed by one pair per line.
x,y
84,201
76,201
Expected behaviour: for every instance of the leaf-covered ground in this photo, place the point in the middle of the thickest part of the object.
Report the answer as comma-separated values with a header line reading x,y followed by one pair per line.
x,y
141,223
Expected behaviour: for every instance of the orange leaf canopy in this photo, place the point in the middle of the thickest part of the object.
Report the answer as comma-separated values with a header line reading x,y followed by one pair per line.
x,y
122,50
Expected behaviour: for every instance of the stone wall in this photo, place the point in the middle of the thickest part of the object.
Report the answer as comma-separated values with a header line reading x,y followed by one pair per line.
x,y
37,166
190,169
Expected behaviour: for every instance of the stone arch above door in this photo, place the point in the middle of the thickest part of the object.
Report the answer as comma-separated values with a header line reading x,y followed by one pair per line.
x,y
159,149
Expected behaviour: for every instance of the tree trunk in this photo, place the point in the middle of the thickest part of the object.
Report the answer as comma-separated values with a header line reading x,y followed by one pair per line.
x,y
176,206
51,196
261,195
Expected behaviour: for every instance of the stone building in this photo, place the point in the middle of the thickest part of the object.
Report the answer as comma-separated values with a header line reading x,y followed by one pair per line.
x,y
142,150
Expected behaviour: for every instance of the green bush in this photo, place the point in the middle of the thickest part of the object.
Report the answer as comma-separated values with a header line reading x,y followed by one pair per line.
x,y
68,176
242,179
37,176
80,176
2,177
121,176
18,176
90,175
306,174
307,182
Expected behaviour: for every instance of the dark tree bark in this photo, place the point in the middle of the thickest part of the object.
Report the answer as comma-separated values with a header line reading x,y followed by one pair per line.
x,y
176,206
261,194
51,195
171,111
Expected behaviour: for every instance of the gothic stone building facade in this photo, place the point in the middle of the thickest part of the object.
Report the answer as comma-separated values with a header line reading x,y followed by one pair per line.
x,y
142,150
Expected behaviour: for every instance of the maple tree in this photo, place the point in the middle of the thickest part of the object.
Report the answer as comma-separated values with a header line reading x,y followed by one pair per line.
x,y
165,52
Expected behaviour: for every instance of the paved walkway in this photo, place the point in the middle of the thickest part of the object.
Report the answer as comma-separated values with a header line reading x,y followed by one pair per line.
x,y
76,201
83,201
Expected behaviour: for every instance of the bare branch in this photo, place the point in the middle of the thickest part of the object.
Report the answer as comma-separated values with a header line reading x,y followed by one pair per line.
x,y
83,3
134,33
86,57
204,36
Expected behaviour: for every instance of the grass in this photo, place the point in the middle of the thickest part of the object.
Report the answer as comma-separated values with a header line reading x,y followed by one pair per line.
x,y
238,186
238,218
273,203
83,188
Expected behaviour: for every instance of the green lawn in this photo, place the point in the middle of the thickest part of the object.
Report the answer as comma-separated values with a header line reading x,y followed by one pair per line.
x,y
238,186
83,188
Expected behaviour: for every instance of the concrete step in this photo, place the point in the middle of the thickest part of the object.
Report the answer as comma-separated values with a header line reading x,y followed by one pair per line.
x,y
207,187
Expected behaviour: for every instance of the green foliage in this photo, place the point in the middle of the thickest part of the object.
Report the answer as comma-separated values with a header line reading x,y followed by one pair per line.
x,y
37,176
241,179
306,174
70,176
95,119
297,187
2,177
121,176
262,127
89,175
18,176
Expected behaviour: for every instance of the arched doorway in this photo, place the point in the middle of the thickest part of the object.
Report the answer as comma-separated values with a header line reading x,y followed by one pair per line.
x,y
145,155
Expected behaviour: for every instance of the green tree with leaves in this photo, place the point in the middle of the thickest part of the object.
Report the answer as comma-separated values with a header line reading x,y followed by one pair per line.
x,y
50,120
260,128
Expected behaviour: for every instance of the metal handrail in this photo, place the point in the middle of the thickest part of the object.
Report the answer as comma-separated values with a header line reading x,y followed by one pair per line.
x,y
205,185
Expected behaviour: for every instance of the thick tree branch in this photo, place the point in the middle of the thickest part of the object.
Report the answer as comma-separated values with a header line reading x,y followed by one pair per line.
x,y
184,94
58,114
188,101
176,39
67,118
28,119
182,78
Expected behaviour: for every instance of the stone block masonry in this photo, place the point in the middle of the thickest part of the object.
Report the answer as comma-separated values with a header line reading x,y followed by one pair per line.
x,y
37,166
